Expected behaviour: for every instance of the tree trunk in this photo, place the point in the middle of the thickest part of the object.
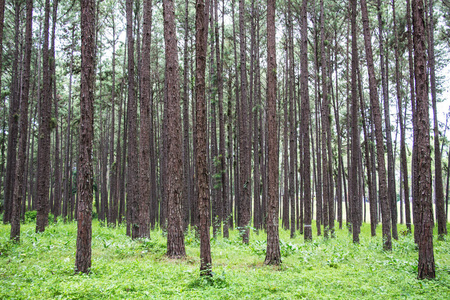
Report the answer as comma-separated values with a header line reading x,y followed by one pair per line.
x,y
244,143
273,254
44,133
2,158
222,154
292,125
85,178
201,25
305,122
175,236
187,182
144,153
113,161
426,268
132,167
353,171
23,128
57,169
14,105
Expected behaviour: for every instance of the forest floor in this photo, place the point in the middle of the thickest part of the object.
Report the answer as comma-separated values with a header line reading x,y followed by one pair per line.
x,y
42,267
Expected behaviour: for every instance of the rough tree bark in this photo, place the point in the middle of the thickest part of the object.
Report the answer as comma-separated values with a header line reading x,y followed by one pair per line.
x,y
23,129
426,268
132,167
305,122
2,158
56,208
175,236
85,174
244,143
273,253
13,127
353,171
144,153
44,133
201,20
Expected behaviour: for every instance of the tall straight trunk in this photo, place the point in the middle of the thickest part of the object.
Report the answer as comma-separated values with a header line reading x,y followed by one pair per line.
x,y
237,121
353,171
414,185
13,127
175,236
57,165
392,198
2,161
23,128
273,253
132,167
222,169
214,160
375,107
195,214
426,268
228,211
201,24
122,179
331,206
292,127
285,208
85,178
44,133
187,182
103,157
305,122
112,213
403,157
164,152
439,188
325,123
122,150
340,179
244,143
318,166
153,164
144,138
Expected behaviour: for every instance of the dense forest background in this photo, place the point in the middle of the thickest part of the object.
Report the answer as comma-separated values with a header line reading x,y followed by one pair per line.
x,y
348,116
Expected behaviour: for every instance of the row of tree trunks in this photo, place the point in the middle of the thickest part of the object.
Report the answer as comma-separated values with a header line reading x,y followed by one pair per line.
x,y
137,174
375,107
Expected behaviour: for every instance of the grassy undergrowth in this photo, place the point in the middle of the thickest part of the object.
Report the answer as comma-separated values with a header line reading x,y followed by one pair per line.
x,y
42,267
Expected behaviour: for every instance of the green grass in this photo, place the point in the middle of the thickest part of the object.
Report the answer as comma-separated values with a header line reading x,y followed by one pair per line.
x,y
42,267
